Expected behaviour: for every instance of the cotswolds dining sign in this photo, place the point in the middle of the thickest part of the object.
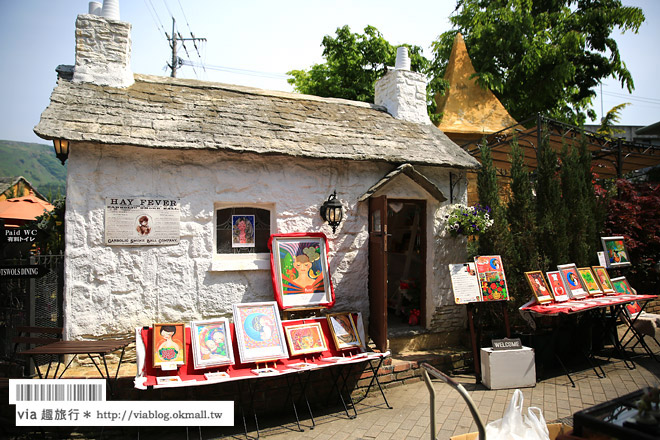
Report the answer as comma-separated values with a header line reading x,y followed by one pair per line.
x,y
140,221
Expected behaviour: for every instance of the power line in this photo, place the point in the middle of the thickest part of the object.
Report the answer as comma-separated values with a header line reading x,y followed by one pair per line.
x,y
176,60
241,71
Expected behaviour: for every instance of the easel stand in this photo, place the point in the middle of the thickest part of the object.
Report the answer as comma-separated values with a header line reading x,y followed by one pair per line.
x,y
475,323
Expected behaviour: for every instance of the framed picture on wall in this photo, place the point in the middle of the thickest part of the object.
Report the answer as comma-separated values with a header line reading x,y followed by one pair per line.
x,y
169,344
259,332
622,286
211,343
589,280
305,338
492,280
344,331
299,270
539,287
616,253
242,231
603,279
557,286
572,281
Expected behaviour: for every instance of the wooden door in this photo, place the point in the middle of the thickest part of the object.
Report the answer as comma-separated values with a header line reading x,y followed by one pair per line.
x,y
378,271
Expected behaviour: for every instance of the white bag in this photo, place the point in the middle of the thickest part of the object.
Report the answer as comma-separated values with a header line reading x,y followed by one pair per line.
x,y
514,426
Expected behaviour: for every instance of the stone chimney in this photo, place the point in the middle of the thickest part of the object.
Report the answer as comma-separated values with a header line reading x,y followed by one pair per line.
x,y
403,92
103,51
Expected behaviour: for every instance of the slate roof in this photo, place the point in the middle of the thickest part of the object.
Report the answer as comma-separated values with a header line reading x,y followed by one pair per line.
x,y
174,113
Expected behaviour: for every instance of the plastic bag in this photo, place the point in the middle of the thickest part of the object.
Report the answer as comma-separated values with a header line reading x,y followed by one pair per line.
x,y
516,426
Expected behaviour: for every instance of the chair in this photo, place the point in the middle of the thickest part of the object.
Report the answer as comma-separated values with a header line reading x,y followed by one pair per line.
x,y
31,337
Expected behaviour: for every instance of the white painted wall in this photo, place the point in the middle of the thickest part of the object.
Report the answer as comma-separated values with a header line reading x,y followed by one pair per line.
x,y
109,290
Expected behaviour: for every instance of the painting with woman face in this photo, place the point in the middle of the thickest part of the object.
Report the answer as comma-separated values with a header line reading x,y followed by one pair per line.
x,y
259,332
169,344
242,231
603,279
539,286
572,281
300,270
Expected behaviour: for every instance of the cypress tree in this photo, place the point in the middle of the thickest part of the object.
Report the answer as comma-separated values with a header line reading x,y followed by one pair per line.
x,y
550,215
522,221
574,198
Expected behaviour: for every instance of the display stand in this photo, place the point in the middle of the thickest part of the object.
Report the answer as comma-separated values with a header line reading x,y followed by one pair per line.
x,y
475,330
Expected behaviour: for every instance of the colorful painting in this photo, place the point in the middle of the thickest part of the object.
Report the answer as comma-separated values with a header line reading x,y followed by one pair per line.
x,y
169,344
242,231
572,281
305,338
492,280
539,286
344,331
557,286
589,280
622,287
616,254
211,343
299,265
164,380
259,332
603,279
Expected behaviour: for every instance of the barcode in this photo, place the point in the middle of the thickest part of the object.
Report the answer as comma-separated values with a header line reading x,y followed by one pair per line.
x,y
65,390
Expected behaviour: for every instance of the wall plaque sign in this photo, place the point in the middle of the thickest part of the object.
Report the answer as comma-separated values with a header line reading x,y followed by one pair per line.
x,y
140,221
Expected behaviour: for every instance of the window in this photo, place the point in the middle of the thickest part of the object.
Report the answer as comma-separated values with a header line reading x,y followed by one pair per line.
x,y
224,222
229,254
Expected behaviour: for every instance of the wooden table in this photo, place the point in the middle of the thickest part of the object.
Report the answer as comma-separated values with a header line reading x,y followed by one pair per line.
x,y
99,348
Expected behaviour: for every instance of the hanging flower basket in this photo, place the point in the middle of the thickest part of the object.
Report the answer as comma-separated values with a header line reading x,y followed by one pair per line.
x,y
468,220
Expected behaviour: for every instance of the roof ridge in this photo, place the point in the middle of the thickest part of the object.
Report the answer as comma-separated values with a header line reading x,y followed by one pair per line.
x,y
199,84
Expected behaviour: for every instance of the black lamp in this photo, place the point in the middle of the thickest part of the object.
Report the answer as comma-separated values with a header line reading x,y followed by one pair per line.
x,y
331,211
61,149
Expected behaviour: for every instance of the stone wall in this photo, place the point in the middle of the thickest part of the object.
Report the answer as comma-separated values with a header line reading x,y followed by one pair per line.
x,y
110,290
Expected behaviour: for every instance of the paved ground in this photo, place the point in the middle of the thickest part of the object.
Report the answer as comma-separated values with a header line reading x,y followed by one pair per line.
x,y
410,419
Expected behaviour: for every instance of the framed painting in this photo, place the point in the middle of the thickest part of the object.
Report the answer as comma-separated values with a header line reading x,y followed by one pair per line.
x,y
539,286
557,286
572,281
343,329
603,279
621,286
299,270
589,280
211,343
259,333
242,231
616,253
169,344
492,280
305,338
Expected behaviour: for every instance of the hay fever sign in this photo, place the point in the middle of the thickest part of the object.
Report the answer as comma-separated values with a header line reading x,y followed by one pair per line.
x,y
140,221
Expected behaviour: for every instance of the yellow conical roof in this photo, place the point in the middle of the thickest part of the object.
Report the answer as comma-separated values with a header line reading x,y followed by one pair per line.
x,y
467,107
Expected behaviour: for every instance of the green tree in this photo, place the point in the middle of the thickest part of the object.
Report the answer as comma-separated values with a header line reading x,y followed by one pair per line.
x,y
353,63
542,56
521,214
550,216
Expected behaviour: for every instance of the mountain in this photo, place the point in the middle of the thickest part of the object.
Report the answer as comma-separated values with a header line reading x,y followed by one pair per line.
x,y
37,163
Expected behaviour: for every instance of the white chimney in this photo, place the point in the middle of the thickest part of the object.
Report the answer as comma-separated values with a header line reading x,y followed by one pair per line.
x,y
103,51
95,8
403,92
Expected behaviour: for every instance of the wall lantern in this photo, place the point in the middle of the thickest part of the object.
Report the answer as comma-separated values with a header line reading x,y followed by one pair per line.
x,y
61,149
331,211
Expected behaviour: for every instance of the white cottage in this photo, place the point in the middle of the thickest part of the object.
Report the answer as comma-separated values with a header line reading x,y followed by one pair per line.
x,y
216,150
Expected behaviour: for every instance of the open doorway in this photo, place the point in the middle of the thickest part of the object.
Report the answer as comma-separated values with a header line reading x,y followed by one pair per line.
x,y
406,264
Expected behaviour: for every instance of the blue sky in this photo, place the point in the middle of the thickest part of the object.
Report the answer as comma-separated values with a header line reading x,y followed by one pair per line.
x,y
254,43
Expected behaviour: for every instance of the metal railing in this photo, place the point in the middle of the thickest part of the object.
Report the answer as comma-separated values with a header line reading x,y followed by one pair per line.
x,y
426,370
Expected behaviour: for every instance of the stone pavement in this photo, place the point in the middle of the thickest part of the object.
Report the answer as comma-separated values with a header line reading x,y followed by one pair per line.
x,y
410,419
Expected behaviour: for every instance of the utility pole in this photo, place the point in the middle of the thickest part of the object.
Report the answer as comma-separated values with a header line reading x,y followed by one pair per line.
x,y
176,60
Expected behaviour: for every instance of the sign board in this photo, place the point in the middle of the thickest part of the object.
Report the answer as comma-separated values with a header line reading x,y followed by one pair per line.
x,y
464,283
28,271
142,221
507,344
18,235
